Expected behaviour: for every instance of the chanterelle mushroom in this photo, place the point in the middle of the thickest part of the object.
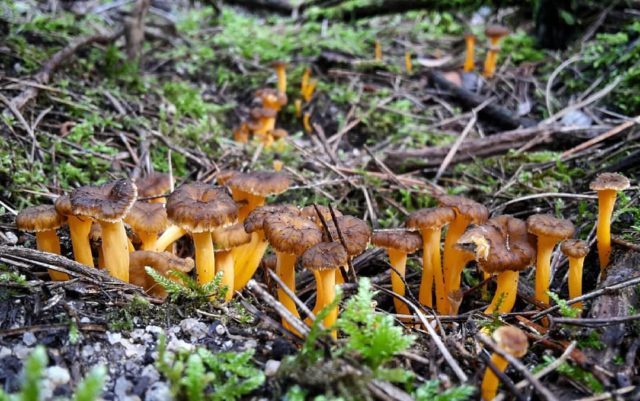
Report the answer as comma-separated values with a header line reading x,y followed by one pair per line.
x,y
147,220
575,250
154,184
162,262
79,229
511,340
226,239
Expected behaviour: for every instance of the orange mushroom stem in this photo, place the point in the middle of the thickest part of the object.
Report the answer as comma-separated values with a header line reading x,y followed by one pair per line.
x,y
470,42
510,340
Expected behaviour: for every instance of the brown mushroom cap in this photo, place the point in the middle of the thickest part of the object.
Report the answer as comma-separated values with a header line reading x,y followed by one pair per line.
x,y
432,218
476,212
291,234
501,244
199,207
512,340
271,95
496,31
260,183
278,133
356,233
469,34
225,175
230,237
310,213
574,248
278,64
325,256
161,261
405,241
63,205
255,219
39,218
610,181
147,217
108,202
153,184
549,226
262,112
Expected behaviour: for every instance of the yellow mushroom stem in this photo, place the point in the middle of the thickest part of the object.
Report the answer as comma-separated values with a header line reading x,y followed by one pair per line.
x,y
148,240
298,107
454,259
575,280
606,202
543,267
398,259
48,241
306,123
250,258
253,202
224,264
506,291
130,245
469,64
285,269
305,80
115,248
205,257
168,237
490,62
432,271
490,382
378,51
282,78
326,289
408,65
277,165
79,229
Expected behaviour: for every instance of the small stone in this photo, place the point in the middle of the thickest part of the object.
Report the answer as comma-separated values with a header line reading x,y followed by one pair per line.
x,y
21,352
57,375
176,345
250,344
11,238
121,388
137,334
29,338
157,330
271,367
113,338
87,351
220,329
85,320
4,352
151,373
159,391
193,328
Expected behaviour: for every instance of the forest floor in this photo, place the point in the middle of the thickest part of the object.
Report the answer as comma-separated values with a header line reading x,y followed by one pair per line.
x,y
382,143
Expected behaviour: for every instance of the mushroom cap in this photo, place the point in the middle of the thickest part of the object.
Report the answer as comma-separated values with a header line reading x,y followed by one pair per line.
x,y
225,175
200,207
610,181
161,261
435,217
496,31
262,112
153,184
278,133
476,212
574,248
501,244
356,233
512,340
325,256
469,34
255,219
147,217
230,237
310,213
548,226
291,234
271,96
63,205
39,218
260,183
279,64
404,241
108,202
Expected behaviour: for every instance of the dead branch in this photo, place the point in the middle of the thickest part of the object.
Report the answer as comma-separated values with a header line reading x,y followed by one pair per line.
x,y
134,29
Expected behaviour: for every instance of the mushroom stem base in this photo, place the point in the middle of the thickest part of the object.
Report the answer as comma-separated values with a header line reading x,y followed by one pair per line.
x,y
285,269
115,248
543,268
490,64
432,271
249,260
47,241
168,237
328,289
490,382
224,264
453,259
506,292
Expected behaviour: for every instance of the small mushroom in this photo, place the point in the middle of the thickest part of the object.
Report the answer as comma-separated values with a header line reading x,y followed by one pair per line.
x,y
398,244
43,220
263,120
310,213
271,99
607,185
430,222
575,250
241,133
408,65
356,234
108,204
378,51
147,220
494,33
511,340
324,259
226,239
154,184
162,262
79,229
281,72
254,188
306,122
550,231
470,42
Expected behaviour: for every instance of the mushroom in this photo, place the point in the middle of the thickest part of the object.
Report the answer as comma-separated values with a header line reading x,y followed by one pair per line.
x,y
575,250
162,262
147,220
289,236
271,99
550,231
263,120
226,239
298,107
467,212
108,204
304,82
470,42
241,133
494,33
79,229
254,187
248,261
408,65
398,245
154,184
324,259
378,51
200,208
310,213
356,234
514,342
281,72
43,220
502,245
306,123
430,222
607,185
307,94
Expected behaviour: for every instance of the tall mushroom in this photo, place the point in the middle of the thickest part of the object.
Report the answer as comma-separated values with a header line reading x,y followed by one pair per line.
x,y
108,204
514,342
607,185
575,250
494,33
323,260
254,187
470,42
79,229
550,231
199,209
147,220
502,245
430,222
289,236
43,220
154,184
398,244
226,239
162,262
281,72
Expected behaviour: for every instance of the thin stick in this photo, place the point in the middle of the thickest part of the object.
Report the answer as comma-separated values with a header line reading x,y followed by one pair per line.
x,y
614,131
334,218
292,295
504,379
260,292
596,322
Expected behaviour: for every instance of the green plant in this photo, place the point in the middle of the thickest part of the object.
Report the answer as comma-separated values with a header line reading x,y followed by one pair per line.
x,y
430,391
189,289
574,373
565,309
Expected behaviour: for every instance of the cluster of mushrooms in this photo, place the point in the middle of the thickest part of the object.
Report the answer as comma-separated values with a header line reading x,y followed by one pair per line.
x,y
494,33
